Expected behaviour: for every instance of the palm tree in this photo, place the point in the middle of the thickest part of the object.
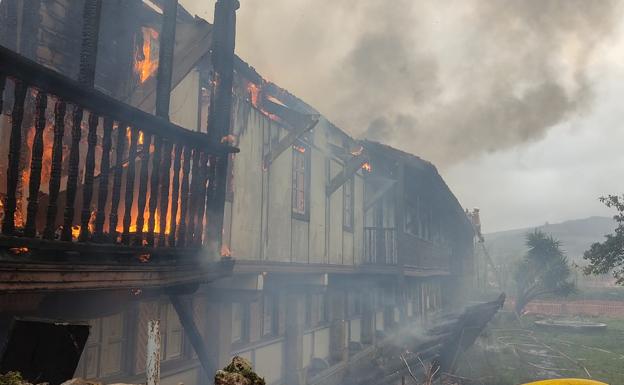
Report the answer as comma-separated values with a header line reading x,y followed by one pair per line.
x,y
543,271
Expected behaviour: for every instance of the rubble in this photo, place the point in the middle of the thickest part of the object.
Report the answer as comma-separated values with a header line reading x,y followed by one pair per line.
x,y
238,372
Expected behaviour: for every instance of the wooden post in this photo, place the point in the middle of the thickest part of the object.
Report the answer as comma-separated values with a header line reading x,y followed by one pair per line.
x,y
35,165
56,168
293,346
152,363
224,33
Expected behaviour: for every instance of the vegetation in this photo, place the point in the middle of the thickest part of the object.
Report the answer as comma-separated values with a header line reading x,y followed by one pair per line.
x,y
12,378
608,256
512,353
544,271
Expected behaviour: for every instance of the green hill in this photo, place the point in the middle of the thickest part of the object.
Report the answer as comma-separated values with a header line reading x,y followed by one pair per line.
x,y
575,235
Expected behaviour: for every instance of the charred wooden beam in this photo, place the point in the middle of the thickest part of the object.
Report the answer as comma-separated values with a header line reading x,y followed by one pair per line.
x,y
17,115
165,58
289,140
164,191
35,165
87,192
224,38
56,168
143,185
350,168
129,199
116,197
155,180
103,182
290,116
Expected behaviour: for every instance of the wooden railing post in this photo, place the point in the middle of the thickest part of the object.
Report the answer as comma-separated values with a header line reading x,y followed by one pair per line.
x,y
184,196
143,184
116,197
100,216
56,169
35,165
129,199
8,227
89,176
175,194
164,191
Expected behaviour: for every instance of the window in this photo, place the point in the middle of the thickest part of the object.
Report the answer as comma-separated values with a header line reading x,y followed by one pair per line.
x,y
239,322
171,346
269,316
347,205
300,180
103,352
316,310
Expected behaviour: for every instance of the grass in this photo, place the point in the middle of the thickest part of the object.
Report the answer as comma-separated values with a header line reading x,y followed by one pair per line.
x,y
512,352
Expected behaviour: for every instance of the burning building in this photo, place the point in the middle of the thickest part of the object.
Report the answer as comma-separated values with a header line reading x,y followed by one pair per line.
x,y
303,252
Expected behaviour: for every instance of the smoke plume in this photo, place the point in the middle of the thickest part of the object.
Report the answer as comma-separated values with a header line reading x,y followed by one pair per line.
x,y
444,79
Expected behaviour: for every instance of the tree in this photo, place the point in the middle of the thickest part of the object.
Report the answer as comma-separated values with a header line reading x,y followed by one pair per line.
x,y
608,256
543,271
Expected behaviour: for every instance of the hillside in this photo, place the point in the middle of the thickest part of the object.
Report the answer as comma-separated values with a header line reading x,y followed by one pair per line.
x,y
575,235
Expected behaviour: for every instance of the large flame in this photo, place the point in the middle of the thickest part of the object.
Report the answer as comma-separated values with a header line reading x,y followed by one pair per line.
x,y
367,167
146,58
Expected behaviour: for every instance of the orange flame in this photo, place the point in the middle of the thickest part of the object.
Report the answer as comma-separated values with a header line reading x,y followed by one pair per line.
x,y
19,250
301,149
146,60
229,139
144,258
367,167
75,230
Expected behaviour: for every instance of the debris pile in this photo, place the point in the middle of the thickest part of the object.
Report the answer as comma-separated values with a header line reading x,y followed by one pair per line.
x,y
238,372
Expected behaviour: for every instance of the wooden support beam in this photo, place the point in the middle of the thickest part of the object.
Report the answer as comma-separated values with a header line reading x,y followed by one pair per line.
x,y
350,168
289,140
386,185
185,314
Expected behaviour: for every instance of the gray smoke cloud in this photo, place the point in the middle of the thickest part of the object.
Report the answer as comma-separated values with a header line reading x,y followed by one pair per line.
x,y
444,79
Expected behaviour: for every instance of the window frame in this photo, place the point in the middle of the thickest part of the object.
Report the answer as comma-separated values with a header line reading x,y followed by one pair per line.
x,y
245,324
274,316
306,176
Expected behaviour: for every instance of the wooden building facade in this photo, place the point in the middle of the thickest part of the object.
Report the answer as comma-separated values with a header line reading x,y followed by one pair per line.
x,y
329,244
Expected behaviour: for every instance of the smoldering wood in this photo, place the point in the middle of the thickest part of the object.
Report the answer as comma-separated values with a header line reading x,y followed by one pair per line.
x,y
129,199
153,201
56,168
118,172
164,191
184,197
143,185
8,226
100,215
87,191
175,194
35,165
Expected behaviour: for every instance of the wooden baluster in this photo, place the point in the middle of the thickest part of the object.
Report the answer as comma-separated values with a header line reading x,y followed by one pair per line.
x,y
35,164
56,169
13,174
201,201
127,219
184,196
164,190
144,175
209,191
193,197
114,215
100,215
41,104
87,192
72,177
175,194
153,201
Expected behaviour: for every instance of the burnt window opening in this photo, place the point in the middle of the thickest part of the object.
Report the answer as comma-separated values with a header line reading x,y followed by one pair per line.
x,y
301,181
347,205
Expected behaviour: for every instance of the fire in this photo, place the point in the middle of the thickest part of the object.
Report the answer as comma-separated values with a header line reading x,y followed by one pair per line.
x,y
140,138
367,167
75,230
229,139
254,94
225,251
301,149
144,258
146,60
19,250
255,98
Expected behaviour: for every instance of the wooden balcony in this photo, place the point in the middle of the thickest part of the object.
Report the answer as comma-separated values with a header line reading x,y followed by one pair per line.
x,y
93,180
417,252
380,246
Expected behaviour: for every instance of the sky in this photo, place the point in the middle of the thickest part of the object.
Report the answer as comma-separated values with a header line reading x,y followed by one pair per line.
x,y
518,103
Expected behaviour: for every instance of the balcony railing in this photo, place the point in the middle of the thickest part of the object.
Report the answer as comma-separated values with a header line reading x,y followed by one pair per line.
x,y
421,253
380,245
137,180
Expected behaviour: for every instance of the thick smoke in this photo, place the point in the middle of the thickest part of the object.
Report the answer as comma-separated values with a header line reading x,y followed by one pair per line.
x,y
445,79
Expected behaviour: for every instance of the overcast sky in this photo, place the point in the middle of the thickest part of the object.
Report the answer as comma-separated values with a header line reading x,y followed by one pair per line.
x,y
519,103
